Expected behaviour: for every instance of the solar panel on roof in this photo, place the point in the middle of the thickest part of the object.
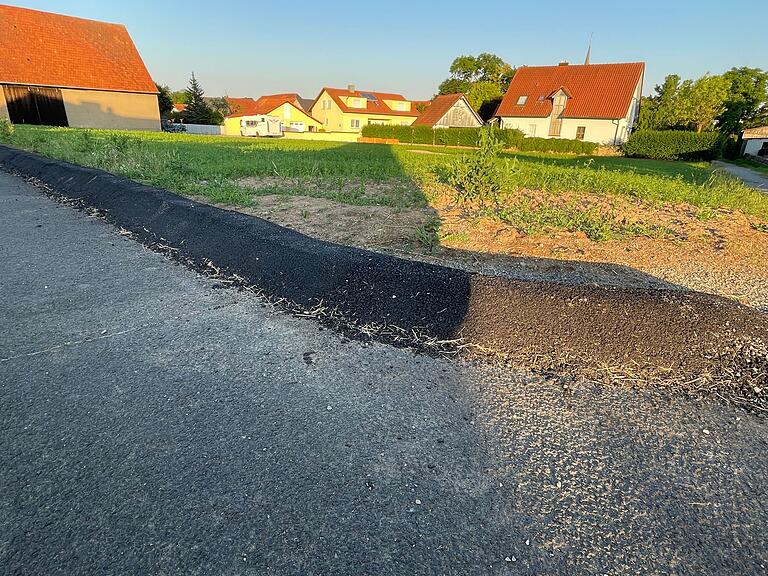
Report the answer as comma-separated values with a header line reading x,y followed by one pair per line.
x,y
368,96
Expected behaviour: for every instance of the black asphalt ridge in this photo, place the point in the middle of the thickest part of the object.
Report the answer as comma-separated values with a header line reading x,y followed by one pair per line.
x,y
637,329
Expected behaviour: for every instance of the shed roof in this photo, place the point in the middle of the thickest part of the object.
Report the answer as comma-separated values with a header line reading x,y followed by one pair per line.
x,y
44,49
594,90
439,107
753,133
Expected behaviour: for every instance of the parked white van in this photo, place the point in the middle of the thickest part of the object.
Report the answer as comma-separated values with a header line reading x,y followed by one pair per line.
x,y
261,125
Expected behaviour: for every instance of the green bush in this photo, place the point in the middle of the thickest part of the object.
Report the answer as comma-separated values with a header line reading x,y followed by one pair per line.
x,y
477,177
509,138
674,145
6,130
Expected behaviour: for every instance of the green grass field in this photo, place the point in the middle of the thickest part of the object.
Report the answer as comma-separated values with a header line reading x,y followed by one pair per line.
x,y
213,166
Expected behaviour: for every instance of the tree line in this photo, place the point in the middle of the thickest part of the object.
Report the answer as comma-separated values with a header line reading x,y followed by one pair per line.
x,y
727,103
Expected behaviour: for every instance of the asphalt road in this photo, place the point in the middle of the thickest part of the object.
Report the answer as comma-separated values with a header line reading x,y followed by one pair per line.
x,y
152,422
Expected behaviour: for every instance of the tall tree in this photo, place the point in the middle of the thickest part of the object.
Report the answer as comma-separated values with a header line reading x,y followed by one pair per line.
x,y
484,96
197,110
747,102
164,101
221,108
659,111
483,78
700,102
179,96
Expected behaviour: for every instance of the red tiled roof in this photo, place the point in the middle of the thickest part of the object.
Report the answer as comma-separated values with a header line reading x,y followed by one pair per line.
x,y
377,106
241,106
596,90
44,49
438,108
264,105
179,107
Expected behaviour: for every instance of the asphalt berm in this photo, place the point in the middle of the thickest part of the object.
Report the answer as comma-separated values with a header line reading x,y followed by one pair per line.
x,y
697,342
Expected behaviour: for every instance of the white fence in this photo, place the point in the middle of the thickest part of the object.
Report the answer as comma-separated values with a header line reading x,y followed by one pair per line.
x,y
209,129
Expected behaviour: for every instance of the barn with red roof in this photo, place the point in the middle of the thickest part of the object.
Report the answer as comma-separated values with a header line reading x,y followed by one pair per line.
x,y
66,71
593,102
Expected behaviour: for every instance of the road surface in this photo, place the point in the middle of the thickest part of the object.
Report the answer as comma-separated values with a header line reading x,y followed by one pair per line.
x,y
751,178
153,422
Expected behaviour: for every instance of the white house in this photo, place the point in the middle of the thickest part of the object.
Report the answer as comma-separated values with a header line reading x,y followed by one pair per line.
x,y
754,140
449,111
593,102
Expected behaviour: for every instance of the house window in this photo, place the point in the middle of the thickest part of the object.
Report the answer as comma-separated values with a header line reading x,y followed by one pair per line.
x,y
532,130
522,100
286,111
580,132
354,123
326,105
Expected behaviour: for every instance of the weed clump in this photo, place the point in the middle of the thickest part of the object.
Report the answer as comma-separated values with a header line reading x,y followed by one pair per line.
x,y
478,178
6,130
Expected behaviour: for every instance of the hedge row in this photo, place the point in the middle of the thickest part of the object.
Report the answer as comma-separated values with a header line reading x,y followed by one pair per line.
x,y
470,136
674,145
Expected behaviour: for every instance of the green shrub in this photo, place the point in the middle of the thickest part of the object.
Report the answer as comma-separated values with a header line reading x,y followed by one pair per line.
x,y
477,177
6,130
674,145
509,138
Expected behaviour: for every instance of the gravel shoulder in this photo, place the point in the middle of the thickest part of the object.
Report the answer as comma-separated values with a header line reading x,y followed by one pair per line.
x,y
153,422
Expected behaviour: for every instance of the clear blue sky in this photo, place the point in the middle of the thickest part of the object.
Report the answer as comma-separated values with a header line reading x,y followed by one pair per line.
x,y
249,48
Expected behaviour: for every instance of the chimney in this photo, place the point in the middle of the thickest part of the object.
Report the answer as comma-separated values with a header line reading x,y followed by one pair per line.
x,y
350,87
563,63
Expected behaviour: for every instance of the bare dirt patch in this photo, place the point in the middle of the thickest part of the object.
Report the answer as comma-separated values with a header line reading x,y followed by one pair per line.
x,y
720,253
372,227
396,192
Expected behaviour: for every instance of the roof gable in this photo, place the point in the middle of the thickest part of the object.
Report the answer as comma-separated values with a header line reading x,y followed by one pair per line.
x,y
439,107
593,90
264,105
377,106
45,49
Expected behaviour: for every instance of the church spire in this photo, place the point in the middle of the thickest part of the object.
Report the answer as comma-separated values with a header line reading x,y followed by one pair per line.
x,y
589,49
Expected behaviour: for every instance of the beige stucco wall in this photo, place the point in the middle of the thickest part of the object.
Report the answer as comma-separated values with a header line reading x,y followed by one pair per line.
x,y
600,131
3,106
115,110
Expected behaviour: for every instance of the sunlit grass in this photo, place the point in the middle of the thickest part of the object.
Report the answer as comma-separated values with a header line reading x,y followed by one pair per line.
x,y
214,166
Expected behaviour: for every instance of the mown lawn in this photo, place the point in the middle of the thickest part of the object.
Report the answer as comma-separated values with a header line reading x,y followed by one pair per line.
x,y
215,167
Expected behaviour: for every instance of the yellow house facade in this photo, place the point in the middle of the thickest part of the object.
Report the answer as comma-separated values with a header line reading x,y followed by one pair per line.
x,y
287,107
348,110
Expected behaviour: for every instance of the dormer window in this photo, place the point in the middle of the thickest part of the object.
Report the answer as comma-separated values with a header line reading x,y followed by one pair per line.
x,y
522,100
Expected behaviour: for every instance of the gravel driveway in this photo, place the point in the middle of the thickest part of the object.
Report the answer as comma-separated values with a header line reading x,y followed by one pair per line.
x,y
152,422
750,177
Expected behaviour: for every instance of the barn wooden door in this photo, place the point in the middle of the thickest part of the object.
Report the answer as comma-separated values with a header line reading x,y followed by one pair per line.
x,y
35,105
